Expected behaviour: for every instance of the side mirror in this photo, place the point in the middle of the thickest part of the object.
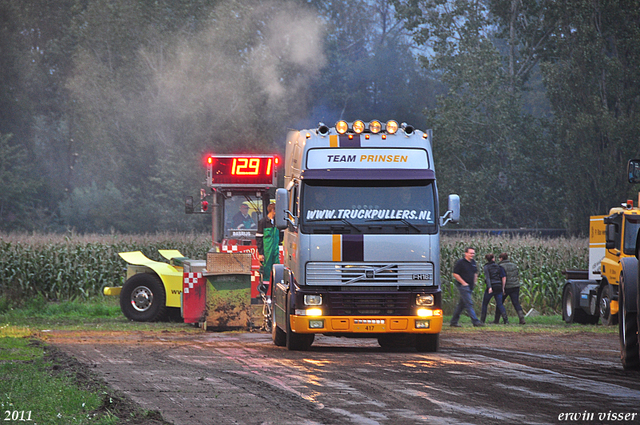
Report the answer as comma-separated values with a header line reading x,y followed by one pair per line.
x,y
453,211
633,170
610,236
454,207
188,204
282,205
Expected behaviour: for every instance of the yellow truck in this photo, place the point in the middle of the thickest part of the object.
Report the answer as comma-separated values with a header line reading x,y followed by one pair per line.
x,y
607,292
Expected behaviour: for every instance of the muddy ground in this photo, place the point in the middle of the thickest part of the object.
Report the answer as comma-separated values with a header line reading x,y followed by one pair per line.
x,y
479,376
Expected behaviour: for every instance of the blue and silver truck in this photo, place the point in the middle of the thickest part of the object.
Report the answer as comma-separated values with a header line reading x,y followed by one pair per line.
x,y
359,209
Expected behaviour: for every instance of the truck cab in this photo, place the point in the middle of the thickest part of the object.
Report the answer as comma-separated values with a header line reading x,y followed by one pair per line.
x,y
361,237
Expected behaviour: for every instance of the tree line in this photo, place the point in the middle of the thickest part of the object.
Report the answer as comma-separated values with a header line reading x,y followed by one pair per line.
x,y
108,106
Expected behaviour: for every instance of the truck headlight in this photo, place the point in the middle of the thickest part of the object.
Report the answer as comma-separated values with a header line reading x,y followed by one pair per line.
x,y
425,299
313,300
308,312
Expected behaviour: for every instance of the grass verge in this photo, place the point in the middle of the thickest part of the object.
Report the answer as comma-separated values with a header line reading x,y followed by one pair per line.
x,y
37,391
41,385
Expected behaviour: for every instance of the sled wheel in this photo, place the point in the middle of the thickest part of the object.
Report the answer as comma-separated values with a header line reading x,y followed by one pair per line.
x,y
143,298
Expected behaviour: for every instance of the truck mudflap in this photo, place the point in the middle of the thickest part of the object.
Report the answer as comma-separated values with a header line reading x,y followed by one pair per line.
x,y
367,325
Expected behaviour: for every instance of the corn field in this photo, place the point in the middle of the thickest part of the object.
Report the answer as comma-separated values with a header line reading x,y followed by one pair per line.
x,y
69,267
541,262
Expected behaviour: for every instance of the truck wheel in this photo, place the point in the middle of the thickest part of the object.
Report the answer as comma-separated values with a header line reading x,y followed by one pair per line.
x,y
567,304
294,341
604,307
427,343
142,298
278,335
571,311
628,326
395,341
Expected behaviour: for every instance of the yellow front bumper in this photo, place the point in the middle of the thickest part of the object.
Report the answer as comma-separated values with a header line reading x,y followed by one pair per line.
x,y
363,325
113,291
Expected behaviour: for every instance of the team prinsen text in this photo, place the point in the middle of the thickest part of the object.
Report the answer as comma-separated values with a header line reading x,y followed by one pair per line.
x,y
367,158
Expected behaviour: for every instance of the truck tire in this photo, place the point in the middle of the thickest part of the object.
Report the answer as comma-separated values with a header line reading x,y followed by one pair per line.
x,y
427,343
295,341
278,336
604,306
143,298
571,311
395,341
628,322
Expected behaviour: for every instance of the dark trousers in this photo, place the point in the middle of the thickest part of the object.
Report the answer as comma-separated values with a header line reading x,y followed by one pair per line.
x,y
497,294
465,303
514,294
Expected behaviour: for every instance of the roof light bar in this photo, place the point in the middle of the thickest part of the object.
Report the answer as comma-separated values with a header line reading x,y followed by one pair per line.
x,y
373,127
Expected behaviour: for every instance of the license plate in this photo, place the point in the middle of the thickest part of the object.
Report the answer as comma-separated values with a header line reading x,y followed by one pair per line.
x,y
369,327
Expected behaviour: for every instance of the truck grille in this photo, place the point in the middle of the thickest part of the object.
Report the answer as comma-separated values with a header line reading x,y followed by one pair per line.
x,y
345,303
376,274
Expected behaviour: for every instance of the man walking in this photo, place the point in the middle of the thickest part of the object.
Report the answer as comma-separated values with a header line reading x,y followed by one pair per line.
x,y
512,286
465,273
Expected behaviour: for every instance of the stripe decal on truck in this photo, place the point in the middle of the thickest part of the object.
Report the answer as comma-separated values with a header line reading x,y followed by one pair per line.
x,y
343,141
347,248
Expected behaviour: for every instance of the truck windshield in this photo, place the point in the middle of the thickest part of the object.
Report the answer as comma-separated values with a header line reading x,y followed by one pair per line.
x,y
631,227
368,207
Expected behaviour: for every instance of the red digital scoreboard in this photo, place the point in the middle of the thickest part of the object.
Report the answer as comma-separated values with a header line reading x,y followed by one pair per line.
x,y
241,171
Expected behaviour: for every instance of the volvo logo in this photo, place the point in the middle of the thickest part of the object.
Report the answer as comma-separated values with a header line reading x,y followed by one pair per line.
x,y
370,274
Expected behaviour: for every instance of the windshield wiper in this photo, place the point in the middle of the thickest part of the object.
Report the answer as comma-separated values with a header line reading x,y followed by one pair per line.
x,y
344,220
399,219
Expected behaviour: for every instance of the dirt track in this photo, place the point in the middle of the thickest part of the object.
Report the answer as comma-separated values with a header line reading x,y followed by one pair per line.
x,y
477,377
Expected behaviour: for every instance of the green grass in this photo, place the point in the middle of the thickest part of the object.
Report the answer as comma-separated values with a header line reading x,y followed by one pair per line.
x,y
34,391
101,313
30,381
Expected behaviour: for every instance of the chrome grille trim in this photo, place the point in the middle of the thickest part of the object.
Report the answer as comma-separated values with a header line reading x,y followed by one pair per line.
x,y
369,273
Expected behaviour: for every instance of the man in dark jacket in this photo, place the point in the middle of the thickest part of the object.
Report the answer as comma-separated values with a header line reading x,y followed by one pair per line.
x,y
512,286
465,273
495,278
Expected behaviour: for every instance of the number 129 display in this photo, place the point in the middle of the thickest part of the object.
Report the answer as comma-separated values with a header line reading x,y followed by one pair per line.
x,y
241,171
